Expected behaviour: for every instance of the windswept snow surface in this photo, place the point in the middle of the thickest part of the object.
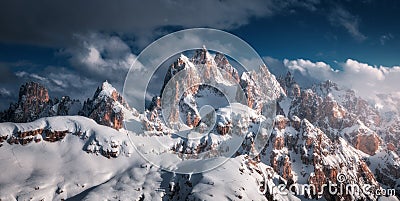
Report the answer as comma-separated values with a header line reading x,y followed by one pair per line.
x,y
54,171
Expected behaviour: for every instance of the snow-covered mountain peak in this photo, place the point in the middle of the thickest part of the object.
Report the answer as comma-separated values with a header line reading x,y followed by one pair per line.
x,y
184,58
202,56
107,89
107,107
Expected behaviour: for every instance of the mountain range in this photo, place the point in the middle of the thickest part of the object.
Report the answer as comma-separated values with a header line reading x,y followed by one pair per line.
x,y
63,149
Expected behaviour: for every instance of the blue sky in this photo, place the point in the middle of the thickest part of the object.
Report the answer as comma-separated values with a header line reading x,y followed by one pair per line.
x,y
52,42
312,34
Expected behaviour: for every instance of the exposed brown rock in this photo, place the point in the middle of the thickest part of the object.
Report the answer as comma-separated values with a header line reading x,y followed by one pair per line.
x,y
318,180
280,122
391,147
223,129
28,136
366,172
279,143
368,144
33,100
286,169
106,110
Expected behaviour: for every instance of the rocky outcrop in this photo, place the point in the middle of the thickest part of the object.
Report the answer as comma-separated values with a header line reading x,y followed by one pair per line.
x,y
289,85
223,129
37,135
368,144
280,122
34,103
106,107
65,106
228,70
326,158
184,81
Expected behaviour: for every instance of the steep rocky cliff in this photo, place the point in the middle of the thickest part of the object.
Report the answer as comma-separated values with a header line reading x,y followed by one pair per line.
x,y
34,102
107,107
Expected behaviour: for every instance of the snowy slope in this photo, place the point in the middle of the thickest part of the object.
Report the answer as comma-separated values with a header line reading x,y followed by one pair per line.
x,y
53,171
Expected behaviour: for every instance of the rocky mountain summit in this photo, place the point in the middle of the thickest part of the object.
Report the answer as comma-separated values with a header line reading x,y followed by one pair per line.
x,y
105,107
34,102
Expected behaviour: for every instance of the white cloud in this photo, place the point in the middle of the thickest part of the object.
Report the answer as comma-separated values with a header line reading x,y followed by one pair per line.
x,y
101,54
38,77
308,68
35,76
61,82
365,79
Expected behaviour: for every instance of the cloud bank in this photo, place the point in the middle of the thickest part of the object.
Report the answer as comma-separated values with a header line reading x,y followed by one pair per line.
x,y
367,80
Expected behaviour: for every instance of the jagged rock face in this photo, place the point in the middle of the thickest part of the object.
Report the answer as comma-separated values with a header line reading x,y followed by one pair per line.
x,y
34,103
356,107
223,129
65,106
106,107
307,106
260,88
367,114
185,80
325,110
289,85
281,122
33,93
391,136
333,111
309,156
37,135
33,100
369,144
223,63
339,113
388,170
295,122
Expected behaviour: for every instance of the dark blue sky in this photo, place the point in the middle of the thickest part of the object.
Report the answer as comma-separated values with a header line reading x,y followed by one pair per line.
x,y
52,39
310,34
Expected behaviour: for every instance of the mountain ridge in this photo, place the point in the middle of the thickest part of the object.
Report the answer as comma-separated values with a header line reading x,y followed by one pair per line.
x,y
317,133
